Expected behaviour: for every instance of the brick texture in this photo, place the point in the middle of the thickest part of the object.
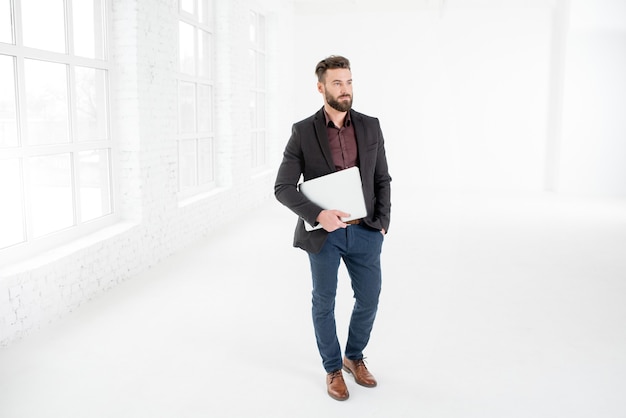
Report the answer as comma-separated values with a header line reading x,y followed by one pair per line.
x,y
153,223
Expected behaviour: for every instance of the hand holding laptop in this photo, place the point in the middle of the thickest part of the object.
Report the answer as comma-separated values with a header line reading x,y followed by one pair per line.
x,y
330,219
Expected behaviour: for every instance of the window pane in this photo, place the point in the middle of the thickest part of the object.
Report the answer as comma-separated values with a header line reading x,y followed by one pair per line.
x,y
260,148
43,24
205,160
8,115
204,109
187,168
260,112
186,6
90,103
187,106
46,102
260,71
253,108
51,193
5,22
261,32
252,28
204,58
253,145
95,188
187,48
204,11
11,213
252,65
88,28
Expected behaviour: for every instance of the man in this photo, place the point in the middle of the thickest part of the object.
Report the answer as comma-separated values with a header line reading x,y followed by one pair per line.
x,y
335,138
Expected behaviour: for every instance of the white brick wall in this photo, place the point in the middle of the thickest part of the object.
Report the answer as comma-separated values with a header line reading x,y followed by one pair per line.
x,y
153,224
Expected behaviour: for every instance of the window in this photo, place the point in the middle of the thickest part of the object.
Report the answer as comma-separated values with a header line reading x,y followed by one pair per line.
x,y
258,88
55,144
196,172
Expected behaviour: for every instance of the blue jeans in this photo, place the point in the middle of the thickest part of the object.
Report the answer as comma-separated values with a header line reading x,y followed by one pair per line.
x,y
360,249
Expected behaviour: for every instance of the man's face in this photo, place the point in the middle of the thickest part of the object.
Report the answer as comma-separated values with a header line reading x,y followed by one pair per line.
x,y
337,88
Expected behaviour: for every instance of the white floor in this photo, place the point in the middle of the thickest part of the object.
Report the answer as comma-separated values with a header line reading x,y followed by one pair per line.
x,y
496,307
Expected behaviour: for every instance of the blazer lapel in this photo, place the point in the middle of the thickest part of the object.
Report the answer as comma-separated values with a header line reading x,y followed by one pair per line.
x,y
359,132
322,138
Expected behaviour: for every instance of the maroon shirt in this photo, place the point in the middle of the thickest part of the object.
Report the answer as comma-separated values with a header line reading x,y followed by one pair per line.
x,y
342,143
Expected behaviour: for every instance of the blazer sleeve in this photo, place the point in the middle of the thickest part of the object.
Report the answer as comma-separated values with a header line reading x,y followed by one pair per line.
x,y
288,177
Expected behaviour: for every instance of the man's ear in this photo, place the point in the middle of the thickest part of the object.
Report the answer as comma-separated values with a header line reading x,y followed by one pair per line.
x,y
320,87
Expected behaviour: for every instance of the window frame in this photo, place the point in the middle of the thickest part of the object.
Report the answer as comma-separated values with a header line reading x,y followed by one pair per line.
x,y
23,151
196,136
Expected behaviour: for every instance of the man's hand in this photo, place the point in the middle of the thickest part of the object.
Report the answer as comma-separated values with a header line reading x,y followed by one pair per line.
x,y
330,219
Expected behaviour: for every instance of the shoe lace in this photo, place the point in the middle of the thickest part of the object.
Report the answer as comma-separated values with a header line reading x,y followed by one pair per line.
x,y
360,363
335,374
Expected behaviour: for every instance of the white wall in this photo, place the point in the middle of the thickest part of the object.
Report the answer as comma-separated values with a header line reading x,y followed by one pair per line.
x,y
463,97
466,95
461,93
156,224
593,143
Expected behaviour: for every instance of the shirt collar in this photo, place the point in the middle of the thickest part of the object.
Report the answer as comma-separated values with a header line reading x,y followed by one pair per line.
x,y
348,121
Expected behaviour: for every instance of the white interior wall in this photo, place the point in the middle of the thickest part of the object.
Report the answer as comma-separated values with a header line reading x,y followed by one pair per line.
x,y
464,92
461,93
593,143
155,223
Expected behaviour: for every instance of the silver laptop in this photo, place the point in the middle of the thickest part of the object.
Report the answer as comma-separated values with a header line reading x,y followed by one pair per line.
x,y
340,190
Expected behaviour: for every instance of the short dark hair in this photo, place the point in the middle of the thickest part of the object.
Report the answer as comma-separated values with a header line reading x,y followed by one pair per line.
x,y
332,62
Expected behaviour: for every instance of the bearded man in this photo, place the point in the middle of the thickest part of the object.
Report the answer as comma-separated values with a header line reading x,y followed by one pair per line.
x,y
335,138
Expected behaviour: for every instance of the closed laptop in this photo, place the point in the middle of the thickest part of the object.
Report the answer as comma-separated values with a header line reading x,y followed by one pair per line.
x,y
340,190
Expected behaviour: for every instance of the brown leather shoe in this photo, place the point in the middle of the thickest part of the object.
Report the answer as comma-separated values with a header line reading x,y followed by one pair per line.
x,y
358,369
337,388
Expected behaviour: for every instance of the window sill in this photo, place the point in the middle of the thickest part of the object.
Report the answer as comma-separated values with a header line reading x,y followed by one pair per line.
x,y
66,250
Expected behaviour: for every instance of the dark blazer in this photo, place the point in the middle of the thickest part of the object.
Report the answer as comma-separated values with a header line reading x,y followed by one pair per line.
x,y
308,153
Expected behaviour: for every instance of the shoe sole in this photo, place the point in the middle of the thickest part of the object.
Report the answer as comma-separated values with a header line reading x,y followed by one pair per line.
x,y
347,370
338,398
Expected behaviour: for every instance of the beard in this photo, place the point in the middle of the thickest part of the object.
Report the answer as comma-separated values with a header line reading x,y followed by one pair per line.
x,y
342,106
